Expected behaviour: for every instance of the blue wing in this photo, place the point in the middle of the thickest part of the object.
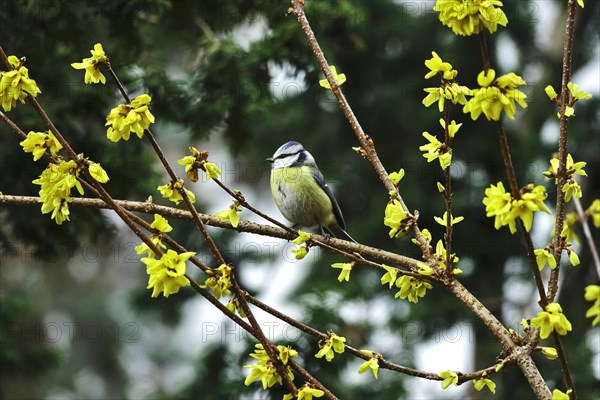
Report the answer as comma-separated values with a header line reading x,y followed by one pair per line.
x,y
336,208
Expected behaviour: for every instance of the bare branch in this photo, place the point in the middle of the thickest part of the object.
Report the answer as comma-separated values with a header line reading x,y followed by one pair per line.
x,y
587,233
148,207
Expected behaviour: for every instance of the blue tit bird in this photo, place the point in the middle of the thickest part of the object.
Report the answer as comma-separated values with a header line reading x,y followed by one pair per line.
x,y
301,193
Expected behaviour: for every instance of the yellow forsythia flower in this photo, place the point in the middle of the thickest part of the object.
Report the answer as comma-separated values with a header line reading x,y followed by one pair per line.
x,y
300,252
390,275
543,256
230,214
372,364
307,392
219,282
592,293
594,212
144,248
449,378
56,182
411,288
443,220
495,96
532,200
265,371
550,353
198,161
167,274
211,170
436,150
37,143
468,17
577,93
559,395
395,218
551,320
333,343
285,353
302,238
16,84
125,119
346,269
551,92
571,187
484,382
171,191
339,78
92,65
396,177
161,224
98,173
498,203
449,89
440,256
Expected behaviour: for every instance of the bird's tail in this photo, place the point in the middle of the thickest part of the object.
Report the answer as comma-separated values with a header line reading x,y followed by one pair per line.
x,y
339,233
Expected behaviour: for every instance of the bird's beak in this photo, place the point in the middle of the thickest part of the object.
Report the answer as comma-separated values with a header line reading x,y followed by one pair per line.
x,y
270,159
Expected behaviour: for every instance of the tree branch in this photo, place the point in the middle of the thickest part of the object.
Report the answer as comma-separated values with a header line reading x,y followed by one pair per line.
x,y
148,207
448,191
532,374
562,143
365,140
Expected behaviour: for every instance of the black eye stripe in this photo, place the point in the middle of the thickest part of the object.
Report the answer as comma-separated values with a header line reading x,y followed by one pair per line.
x,y
288,154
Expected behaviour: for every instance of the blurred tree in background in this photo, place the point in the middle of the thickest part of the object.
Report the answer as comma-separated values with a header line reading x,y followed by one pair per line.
x,y
243,72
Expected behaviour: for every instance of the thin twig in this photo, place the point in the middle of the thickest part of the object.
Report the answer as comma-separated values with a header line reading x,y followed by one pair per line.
x,y
485,54
213,300
352,350
359,259
587,233
163,159
448,191
545,298
244,203
383,363
527,365
248,328
4,59
15,128
309,378
117,82
508,164
514,187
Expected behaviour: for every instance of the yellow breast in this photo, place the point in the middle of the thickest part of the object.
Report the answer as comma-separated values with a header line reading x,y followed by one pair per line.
x,y
300,198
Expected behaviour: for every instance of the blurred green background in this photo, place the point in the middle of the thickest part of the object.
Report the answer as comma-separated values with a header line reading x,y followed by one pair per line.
x,y
238,78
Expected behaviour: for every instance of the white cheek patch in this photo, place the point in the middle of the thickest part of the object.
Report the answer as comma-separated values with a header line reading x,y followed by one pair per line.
x,y
283,162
